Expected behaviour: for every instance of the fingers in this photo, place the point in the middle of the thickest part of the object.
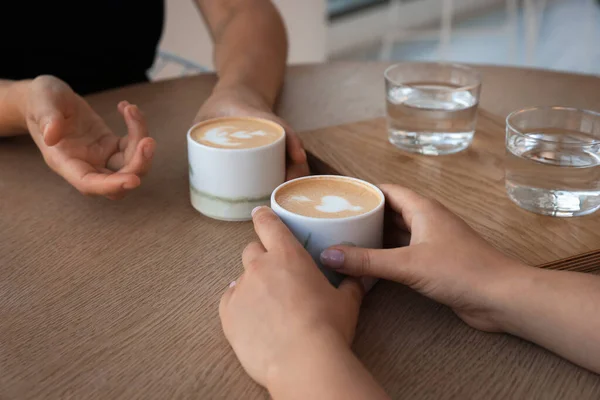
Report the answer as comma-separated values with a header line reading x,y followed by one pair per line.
x,y
140,162
297,159
136,150
296,171
135,121
353,289
391,264
54,128
271,231
90,181
405,202
294,147
140,148
252,252
113,186
121,107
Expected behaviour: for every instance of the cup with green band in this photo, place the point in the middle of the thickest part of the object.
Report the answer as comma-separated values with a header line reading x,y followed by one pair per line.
x,y
235,163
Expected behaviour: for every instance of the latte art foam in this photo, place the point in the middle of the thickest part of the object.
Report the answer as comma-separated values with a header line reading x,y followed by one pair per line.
x,y
237,133
327,197
330,204
229,136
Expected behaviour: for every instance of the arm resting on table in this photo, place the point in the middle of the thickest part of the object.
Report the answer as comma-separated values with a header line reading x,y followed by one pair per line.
x,y
323,370
558,310
12,107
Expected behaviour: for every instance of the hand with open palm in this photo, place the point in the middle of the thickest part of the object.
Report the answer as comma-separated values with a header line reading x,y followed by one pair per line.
x,y
77,144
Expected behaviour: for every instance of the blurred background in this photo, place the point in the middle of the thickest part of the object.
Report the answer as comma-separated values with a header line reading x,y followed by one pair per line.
x,y
561,35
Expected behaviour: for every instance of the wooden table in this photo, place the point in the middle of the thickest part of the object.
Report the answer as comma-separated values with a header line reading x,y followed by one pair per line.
x,y
108,300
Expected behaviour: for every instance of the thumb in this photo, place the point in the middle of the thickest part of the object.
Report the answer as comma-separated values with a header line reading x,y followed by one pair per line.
x,y
53,127
390,264
51,106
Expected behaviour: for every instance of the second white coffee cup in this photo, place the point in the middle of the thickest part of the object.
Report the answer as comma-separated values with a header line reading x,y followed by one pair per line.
x,y
317,234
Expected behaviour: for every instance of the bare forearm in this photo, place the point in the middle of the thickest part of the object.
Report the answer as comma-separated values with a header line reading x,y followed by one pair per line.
x,y
250,45
12,100
558,310
323,370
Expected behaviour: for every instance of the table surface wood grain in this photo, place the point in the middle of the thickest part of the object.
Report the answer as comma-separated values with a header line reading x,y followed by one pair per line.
x,y
107,300
470,183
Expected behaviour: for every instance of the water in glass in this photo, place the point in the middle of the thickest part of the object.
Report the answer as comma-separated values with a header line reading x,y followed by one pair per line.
x,y
431,118
554,172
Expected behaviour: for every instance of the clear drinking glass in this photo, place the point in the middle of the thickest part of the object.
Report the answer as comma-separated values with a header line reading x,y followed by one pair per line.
x,y
553,160
431,107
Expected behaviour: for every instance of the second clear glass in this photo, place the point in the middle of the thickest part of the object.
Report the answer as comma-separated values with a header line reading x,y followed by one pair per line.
x,y
553,160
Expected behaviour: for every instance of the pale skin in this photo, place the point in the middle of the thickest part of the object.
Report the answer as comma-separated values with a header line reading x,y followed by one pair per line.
x,y
289,327
250,55
283,318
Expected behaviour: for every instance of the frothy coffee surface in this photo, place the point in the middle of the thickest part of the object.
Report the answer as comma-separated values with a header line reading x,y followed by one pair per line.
x,y
237,133
327,197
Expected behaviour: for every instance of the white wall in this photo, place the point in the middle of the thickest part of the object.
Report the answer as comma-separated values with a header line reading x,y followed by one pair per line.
x,y
306,22
369,26
312,39
186,35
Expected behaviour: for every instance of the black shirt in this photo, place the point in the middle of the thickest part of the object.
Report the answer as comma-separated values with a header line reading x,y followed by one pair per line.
x,y
90,44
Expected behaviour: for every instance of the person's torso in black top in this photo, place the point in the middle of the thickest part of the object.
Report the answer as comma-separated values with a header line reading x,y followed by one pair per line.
x,y
92,45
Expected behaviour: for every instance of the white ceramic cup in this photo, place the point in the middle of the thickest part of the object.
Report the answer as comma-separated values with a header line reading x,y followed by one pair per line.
x,y
317,234
227,184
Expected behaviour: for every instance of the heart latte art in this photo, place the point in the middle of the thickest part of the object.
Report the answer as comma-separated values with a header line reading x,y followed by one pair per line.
x,y
237,133
327,197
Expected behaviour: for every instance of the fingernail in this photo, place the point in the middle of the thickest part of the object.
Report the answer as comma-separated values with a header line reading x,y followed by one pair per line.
x,y
148,151
232,284
255,210
333,258
136,113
